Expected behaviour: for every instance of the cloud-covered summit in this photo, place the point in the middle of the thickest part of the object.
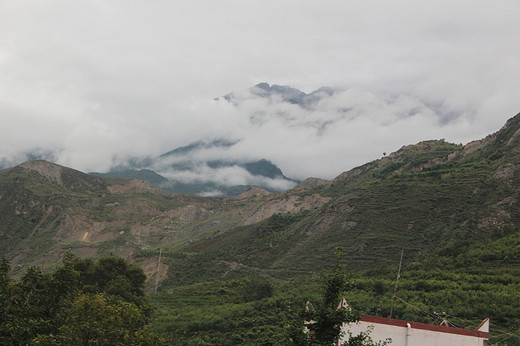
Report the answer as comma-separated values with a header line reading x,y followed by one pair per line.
x,y
202,168
277,93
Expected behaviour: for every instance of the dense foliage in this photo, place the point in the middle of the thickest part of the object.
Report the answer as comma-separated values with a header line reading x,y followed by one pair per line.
x,y
463,284
81,302
104,300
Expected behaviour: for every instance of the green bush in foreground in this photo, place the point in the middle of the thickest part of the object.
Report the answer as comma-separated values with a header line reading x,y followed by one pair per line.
x,y
80,303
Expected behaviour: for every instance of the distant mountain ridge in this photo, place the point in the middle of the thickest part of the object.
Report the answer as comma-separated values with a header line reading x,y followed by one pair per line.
x,y
158,171
219,143
166,171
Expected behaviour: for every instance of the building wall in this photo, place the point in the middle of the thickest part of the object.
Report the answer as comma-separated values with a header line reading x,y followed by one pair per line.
x,y
410,336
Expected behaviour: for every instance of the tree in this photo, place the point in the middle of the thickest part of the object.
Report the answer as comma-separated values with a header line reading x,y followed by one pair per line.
x,y
5,293
98,319
112,275
325,317
30,306
79,301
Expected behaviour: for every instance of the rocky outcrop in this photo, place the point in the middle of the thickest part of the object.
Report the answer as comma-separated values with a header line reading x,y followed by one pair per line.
x,y
310,183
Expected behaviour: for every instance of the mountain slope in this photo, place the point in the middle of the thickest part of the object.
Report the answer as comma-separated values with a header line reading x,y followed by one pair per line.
x,y
421,198
46,209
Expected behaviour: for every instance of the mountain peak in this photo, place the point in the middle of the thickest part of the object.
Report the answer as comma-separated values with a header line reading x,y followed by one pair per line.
x,y
286,93
64,176
47,169
199,145
510,132
507,136
264,86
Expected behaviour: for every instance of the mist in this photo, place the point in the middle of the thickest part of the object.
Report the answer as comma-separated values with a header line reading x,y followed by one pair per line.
x,y
91,85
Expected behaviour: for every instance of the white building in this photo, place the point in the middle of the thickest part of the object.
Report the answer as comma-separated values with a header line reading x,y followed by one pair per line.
x,y
407,333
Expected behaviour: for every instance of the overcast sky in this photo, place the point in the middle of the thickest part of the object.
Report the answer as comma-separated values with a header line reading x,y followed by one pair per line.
x,y
95,82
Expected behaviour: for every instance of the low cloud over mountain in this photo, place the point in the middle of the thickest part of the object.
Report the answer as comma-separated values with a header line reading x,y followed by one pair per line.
x,y
321,133
96,83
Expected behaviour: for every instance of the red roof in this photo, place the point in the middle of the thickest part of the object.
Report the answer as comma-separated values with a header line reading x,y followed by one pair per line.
x,y
425,326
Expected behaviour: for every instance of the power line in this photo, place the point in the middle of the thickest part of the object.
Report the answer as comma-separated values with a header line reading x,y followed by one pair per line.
x,y
507,334
419,309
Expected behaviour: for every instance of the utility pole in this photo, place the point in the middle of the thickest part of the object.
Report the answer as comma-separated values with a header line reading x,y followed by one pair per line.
x,y
158,269
396,283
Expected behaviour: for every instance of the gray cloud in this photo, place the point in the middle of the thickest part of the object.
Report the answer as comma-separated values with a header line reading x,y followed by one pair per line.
x,y
345,129
97,82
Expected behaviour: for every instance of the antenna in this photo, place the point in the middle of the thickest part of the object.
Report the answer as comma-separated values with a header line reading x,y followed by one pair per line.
x,y
396,283
158,268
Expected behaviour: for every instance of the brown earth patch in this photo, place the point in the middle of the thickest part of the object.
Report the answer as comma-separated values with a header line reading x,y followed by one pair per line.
x,y
291,204
141,230
186,213
476,145
253,192
506,171
310,183
149,267
46,169
132,184
513,137
348,225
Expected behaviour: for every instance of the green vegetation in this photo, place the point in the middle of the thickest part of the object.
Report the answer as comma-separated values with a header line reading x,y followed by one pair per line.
x,y
82,302
463,283
222,312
